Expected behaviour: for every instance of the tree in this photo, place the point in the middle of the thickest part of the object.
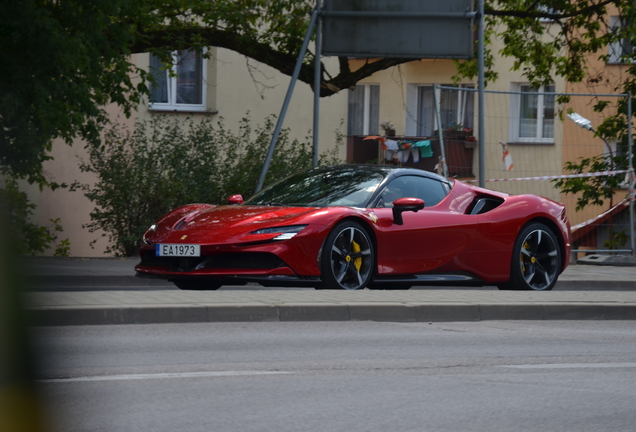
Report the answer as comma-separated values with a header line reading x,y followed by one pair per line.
x,y
66,59
63,61
584,31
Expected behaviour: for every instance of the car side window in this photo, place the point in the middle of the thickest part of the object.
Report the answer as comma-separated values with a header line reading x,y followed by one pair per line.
x,y
430,190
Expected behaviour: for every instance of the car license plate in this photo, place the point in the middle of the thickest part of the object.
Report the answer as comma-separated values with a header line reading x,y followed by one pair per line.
x,y
178,250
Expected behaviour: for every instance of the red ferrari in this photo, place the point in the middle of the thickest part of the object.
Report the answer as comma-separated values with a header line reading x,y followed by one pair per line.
x,y
351,227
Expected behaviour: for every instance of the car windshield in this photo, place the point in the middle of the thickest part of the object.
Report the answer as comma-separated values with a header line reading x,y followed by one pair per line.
x,y
322,188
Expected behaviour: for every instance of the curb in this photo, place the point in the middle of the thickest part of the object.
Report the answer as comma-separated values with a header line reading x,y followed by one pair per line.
x,y
119,281
97,315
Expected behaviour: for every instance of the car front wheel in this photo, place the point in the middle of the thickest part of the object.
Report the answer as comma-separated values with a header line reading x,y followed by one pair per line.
x,y
347,258
536,260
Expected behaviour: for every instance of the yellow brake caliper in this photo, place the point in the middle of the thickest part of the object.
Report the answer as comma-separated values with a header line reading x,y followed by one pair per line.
x,y
355,248
523,266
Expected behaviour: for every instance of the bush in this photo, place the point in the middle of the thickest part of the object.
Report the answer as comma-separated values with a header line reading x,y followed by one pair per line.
x,y
31,239
167,162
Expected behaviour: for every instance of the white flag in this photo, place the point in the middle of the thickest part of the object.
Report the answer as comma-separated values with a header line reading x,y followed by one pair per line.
x,y
506,159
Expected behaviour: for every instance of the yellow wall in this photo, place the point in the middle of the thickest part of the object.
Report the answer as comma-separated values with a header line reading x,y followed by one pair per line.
x,y
530,160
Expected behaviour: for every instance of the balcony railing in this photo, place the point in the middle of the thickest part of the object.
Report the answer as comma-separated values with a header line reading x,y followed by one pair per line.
x,y
458,152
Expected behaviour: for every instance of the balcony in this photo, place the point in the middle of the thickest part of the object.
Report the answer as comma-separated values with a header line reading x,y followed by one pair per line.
x,y
458,152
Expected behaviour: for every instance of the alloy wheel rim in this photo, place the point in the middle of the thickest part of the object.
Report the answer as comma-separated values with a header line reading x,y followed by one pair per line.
x,y
538,259
351,258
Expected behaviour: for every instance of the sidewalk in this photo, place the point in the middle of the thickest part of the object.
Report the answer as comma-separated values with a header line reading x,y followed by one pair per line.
x,y
583,292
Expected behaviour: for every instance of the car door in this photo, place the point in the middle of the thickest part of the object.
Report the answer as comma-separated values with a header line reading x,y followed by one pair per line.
x,y
428,240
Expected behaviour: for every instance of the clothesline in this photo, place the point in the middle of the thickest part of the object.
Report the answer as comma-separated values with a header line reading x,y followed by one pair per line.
x,y
401,150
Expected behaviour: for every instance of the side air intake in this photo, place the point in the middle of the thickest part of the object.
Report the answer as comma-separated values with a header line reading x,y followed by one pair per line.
x,y
483,205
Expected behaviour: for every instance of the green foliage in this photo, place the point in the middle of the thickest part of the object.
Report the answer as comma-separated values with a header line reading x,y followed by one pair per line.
x,y
63,61
592,190
31,239
66,60
595,190
165,163
617,239
547,37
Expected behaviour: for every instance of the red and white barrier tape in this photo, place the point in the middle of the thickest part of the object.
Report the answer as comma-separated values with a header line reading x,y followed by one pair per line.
x,y
595,174
593,220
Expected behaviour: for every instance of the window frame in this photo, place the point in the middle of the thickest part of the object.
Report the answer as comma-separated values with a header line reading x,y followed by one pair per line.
x,y
460,114
515,114
171,83
367,111
616,51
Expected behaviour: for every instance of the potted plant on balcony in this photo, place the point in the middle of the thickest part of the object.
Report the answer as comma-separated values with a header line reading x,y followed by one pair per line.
x,y
458,132
388,128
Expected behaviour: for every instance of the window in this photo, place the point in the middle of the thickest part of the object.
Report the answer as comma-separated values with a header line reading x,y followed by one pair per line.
x,y
622,48
185,88
533,121
364,110
456,107
430,190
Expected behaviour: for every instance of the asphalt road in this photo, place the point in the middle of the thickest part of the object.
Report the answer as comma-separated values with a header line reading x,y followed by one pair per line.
x,y
354,376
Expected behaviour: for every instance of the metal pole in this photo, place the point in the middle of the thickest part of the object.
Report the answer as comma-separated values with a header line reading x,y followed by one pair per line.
x,y
317,77
290,90
630,153
439,131
481,84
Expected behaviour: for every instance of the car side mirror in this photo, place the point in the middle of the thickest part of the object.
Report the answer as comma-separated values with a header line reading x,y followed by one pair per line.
x,y
235,200
402,205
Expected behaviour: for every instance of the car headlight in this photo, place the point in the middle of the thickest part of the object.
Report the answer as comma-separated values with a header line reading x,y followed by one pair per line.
x,y
285,232
152,228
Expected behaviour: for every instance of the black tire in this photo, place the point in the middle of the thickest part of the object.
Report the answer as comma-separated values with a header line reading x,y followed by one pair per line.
x,y
347,258
196,285
536,260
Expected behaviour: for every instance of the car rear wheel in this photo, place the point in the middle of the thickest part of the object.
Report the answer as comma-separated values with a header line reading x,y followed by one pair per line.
x,y
536,260
196,285
347,258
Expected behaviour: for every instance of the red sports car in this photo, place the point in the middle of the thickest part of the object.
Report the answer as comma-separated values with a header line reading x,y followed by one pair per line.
x,y
360,226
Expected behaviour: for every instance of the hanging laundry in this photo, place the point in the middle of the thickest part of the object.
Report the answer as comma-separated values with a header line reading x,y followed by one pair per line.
x,y
506,158
405,149
425,148
377,138
403,155
392,149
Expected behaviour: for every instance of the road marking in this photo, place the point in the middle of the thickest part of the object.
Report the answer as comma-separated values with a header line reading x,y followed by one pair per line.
x,y
160,376
572,366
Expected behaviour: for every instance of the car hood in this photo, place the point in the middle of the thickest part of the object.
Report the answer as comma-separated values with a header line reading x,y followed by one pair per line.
x,y
251,217
225,223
